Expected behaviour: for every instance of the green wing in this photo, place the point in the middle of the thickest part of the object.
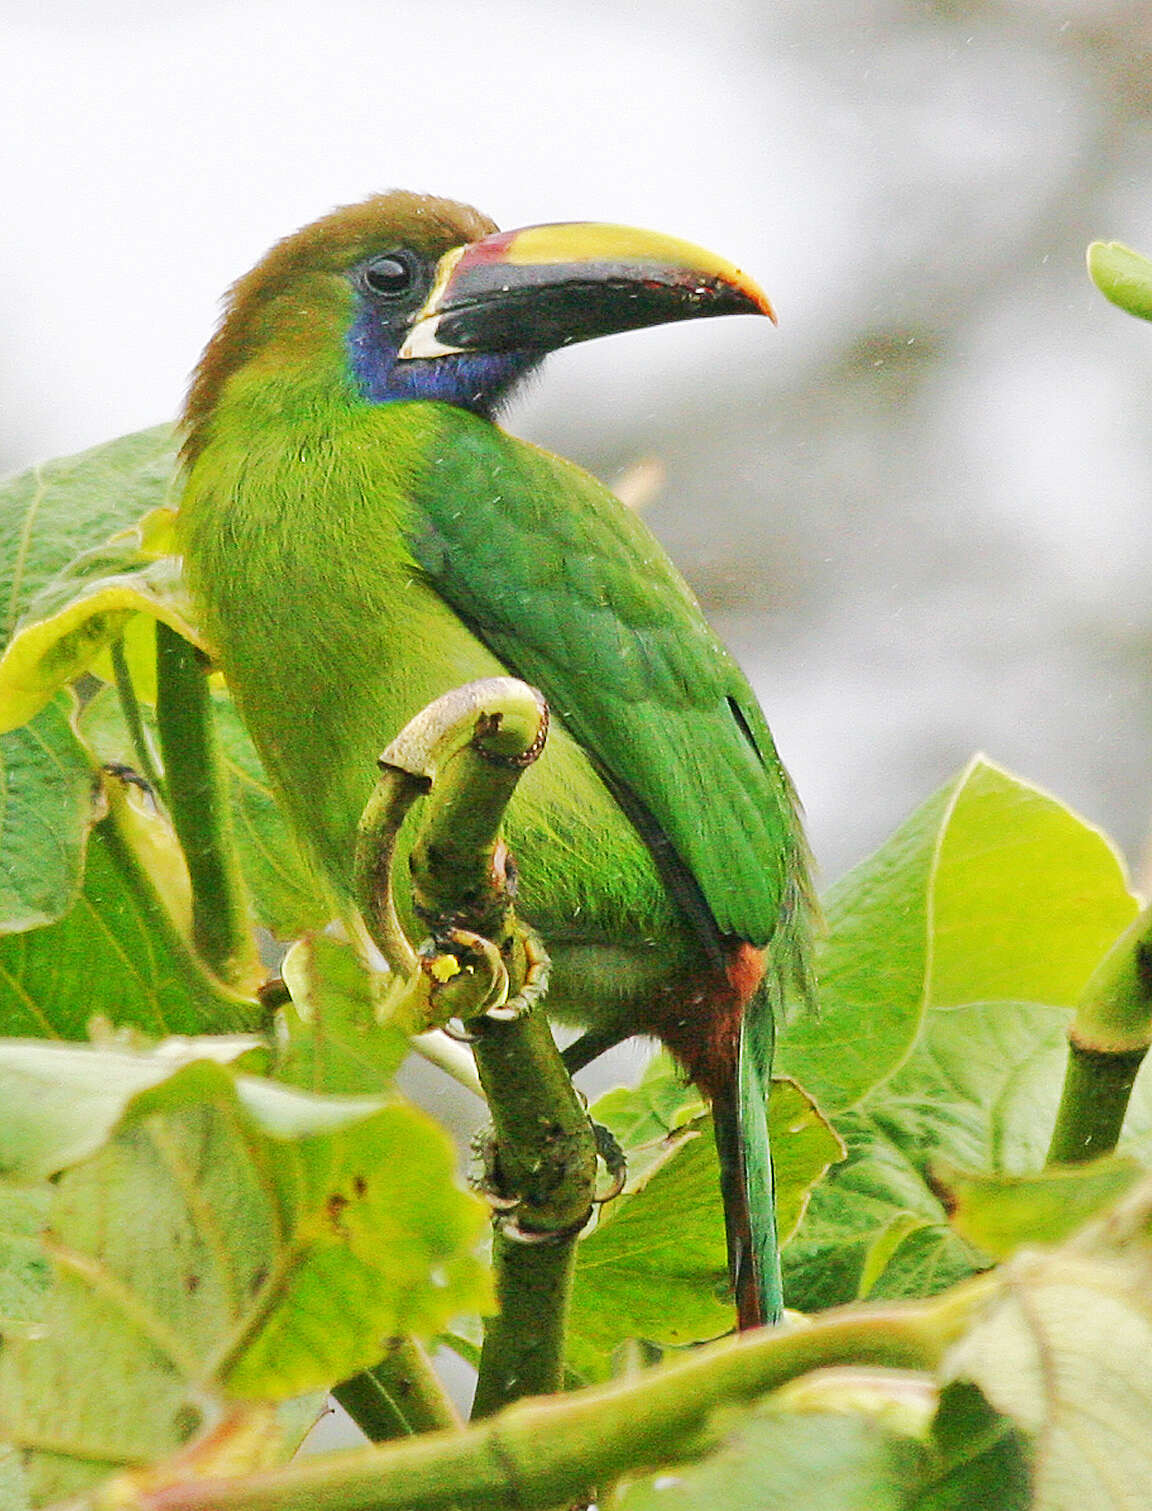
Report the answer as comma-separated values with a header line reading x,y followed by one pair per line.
x,y
572,593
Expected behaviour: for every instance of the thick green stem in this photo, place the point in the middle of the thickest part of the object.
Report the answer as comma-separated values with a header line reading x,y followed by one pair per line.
x,y
224,1010
399,1397
1093,1104
464,755
198,804
546,1158
130,707
523,1353
1108,1040
546,1453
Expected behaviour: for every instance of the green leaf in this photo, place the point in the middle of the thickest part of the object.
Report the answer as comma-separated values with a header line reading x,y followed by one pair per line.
x,y
954,956
47,806
974,1458
116,954
1000,1213
63,1102
335,1041
660,1103
13,1486
78,614
991,892
977,1458
776,1459
50,513
860,1218
214,1238
47,516
288,896
655,1267
1063,1349
1123,276
929,1258
24,1269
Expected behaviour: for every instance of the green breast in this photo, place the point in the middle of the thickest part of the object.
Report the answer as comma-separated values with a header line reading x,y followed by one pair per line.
x,y
332,636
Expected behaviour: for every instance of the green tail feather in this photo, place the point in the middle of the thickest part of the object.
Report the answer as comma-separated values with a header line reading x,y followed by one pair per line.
x,y
740,1111
757,1039
740,1123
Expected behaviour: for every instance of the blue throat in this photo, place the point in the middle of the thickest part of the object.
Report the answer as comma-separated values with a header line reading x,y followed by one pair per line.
x,y
476,381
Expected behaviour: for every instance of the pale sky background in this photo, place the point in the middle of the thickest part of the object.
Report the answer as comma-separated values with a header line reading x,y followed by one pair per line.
x,y
918,510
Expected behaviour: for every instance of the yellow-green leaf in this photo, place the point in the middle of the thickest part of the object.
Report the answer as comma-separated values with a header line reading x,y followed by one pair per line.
x,y
1000,1213
48,803
992,891
1123,276
335,1041
76,617
213,1238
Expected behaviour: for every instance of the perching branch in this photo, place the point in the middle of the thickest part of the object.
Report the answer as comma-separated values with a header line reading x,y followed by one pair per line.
x,y
547,1453
399,1397
464,755
1107,1042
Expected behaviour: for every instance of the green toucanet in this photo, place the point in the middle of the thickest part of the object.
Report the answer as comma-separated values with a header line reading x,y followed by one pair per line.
x,y
360,536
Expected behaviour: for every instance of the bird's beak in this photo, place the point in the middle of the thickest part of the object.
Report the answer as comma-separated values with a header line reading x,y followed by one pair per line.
x,y
549,286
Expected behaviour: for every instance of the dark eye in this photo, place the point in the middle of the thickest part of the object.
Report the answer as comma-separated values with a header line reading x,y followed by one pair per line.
x,y
392,274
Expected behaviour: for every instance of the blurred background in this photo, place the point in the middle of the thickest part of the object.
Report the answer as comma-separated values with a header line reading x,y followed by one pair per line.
x,y
917,511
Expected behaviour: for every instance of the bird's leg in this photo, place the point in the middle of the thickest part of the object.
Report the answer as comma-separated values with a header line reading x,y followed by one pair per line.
x,y
590,1046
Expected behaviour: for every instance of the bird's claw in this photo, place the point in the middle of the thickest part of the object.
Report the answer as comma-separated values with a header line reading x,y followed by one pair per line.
x,y
482,1175
484,1180
467,977
536,968
510,1229
615,1163
454,1029
483,981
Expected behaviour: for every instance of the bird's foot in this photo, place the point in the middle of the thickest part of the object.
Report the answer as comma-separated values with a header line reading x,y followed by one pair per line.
x,y
536,968
469,980
485,1179
484,1172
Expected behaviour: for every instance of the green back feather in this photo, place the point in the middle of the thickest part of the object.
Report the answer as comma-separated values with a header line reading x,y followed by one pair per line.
x,y
573,593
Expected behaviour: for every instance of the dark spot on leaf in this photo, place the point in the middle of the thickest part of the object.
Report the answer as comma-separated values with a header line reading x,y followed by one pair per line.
x,y
359,1185
943,1192
334,1206
191,1284
1144,967
273,993
258,1278
187,1421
